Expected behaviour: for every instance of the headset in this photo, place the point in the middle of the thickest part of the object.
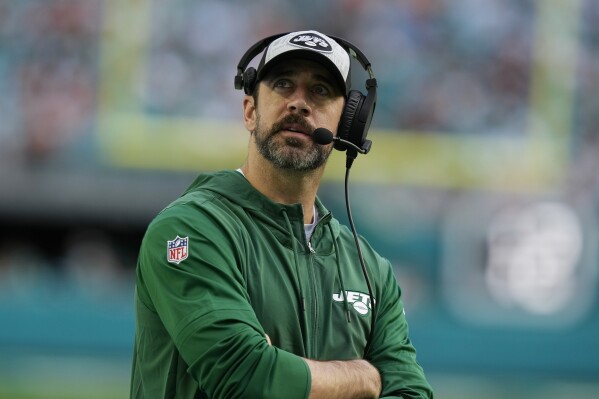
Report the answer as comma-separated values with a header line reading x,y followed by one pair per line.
x,y
359,108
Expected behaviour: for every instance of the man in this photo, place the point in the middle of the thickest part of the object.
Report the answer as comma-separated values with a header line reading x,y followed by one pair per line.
x,y
247,287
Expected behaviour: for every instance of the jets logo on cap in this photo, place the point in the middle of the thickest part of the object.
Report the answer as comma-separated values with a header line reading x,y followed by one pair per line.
x,y
311,41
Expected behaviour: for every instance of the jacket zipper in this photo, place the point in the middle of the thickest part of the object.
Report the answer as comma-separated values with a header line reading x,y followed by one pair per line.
x,y
311,255
315,300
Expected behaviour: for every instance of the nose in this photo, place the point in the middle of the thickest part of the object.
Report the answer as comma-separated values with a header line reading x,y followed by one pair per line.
x,y
299,103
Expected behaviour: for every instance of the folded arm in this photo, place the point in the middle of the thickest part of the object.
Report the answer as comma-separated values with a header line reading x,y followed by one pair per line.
x,y
343,379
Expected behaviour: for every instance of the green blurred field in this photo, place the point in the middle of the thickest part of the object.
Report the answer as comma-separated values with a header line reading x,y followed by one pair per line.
x,y
64,377
94,378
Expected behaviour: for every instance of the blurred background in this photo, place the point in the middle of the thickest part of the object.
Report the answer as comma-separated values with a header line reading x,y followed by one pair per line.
x,y
482,186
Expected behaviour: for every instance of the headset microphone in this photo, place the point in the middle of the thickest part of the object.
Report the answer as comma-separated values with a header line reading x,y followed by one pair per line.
x,y
324,136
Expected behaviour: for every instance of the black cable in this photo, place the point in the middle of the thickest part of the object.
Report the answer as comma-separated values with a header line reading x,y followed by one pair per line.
x,y
350,160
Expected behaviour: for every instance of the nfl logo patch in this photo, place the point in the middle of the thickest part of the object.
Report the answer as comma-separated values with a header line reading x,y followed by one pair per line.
x,y
177,249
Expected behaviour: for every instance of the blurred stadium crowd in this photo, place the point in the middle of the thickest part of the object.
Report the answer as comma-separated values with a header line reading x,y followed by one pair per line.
x,y
444,66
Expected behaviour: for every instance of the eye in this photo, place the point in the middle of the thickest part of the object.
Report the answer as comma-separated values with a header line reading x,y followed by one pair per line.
x,y
321,90
283,83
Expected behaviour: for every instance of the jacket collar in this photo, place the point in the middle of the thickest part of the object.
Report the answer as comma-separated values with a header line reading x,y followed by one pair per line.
x,y
237,189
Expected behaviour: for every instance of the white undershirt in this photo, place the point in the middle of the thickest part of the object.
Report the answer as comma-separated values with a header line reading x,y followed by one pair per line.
x,y
308,228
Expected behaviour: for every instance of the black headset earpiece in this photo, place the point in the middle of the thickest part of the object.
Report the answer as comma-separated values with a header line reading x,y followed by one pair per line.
x,y
356,118
359,108
352,104
249,80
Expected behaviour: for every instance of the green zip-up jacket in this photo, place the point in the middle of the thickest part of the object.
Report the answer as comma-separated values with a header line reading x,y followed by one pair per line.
x,y
223,266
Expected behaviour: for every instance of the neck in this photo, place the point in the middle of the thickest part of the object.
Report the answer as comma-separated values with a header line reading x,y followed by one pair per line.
x,y
284,186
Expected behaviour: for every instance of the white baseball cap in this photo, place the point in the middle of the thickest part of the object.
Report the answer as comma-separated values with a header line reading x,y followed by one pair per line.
x,y
313,45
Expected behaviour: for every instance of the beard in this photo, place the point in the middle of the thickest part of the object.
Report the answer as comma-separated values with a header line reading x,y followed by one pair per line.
x,y
291,153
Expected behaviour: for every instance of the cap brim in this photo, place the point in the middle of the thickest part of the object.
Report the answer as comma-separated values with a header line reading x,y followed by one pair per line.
x,y
342,84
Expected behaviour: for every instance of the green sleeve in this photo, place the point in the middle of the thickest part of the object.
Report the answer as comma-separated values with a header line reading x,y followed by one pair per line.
x,y
204,306
392,353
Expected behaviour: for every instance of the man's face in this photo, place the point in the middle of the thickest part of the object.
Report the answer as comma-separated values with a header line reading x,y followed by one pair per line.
x,y
294,99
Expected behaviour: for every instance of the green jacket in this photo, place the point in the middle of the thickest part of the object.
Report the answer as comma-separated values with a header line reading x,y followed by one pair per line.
x,y
223,265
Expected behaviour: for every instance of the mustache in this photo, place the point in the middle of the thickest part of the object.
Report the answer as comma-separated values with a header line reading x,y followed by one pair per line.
x,y
292,119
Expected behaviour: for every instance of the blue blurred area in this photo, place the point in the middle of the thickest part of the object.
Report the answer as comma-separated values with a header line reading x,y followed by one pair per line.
x,y
500,282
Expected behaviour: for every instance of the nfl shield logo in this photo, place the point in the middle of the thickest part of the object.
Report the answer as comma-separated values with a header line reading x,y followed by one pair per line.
x,y
177,249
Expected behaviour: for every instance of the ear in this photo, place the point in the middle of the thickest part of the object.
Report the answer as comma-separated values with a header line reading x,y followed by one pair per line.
x,y
249,113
